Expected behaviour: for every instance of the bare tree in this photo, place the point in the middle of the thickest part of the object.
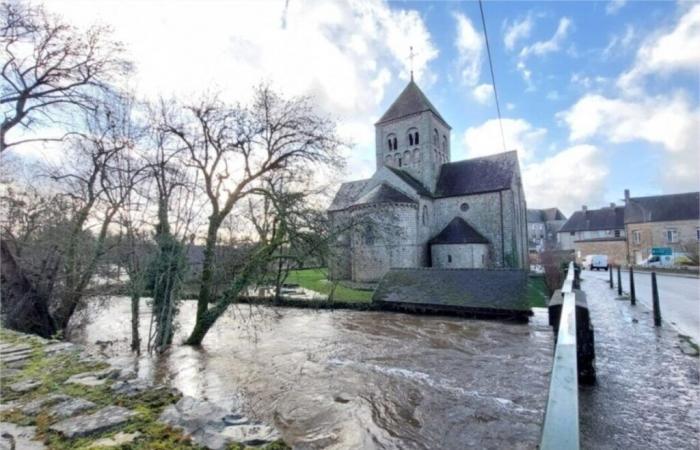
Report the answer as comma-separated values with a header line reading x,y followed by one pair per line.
x,y
233,148
49,65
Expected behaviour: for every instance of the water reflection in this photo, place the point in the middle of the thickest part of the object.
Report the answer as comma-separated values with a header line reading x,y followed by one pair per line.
x,y
349,379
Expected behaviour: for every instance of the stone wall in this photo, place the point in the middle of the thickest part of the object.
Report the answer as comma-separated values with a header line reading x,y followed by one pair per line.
x,y
652,234
615,249
460,256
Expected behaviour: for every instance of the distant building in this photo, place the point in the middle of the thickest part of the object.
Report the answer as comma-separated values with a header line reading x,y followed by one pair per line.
x,y
542,228
596,232
421,210
661,222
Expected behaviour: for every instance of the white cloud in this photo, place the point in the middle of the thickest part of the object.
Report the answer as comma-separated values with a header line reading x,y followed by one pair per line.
x,y
668,121
580,168
519,29
347,54
520,135
483,93
614,6
469,49
620,42
667,52
551,45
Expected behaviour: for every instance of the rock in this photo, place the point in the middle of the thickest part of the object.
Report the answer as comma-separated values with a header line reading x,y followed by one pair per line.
x,y
102,420
58,347
688,348
8,406
214,427
16,437
71,407
35,406
116,440
96,378
131,387
8,349
253,435
25,386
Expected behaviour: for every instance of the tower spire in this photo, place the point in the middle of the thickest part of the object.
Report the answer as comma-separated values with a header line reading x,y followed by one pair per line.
x,y
411,58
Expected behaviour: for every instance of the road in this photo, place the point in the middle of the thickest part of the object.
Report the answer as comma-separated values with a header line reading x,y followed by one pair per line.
x,y
679,297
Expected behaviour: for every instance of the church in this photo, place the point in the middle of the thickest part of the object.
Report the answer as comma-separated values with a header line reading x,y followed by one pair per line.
x,y
420,209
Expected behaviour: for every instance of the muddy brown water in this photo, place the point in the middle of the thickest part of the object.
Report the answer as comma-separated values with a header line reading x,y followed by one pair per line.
x,y
352,379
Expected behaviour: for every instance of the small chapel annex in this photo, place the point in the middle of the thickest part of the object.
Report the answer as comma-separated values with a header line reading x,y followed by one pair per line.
x,y
419,209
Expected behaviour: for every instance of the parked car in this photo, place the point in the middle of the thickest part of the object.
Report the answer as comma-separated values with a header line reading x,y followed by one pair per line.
x,y
595,262
658,261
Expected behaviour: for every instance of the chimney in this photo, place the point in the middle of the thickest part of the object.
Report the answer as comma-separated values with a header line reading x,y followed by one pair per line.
x,y
627,195
584,208
612,205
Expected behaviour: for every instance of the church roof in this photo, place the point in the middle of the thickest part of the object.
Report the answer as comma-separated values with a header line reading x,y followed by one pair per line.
x,y
458,231
411,181
383,193
411,101
477,175
347,193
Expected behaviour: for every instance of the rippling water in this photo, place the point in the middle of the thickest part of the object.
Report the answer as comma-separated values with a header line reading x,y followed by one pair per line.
x,y
350,379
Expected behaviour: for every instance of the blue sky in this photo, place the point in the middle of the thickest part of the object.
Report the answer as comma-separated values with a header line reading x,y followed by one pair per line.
x,y
596,96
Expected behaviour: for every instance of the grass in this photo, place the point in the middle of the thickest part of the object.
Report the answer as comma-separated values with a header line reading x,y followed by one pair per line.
x,y
316,280
53,371
537,294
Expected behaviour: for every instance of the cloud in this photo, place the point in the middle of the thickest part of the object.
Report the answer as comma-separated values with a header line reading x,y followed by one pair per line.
x,y
483,93
551,45
519,29
668,121
667,52
620,42
520,135
614,6
581,169
470,48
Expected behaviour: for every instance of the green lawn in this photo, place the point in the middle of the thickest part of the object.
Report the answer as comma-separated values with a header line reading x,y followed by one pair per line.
x,y
316,280
537,296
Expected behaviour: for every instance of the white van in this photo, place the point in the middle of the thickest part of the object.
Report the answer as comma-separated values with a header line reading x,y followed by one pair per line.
x,y
595,262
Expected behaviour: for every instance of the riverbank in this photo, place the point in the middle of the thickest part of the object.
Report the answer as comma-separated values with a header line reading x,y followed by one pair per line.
x,y
57,395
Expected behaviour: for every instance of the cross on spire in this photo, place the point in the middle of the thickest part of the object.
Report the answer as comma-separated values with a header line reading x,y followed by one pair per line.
x,y
411,58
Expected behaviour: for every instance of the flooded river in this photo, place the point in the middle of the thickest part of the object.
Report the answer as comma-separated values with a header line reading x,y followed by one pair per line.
x,y
350,379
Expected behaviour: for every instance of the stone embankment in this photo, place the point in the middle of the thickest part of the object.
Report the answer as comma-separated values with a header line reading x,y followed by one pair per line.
x,y
57,395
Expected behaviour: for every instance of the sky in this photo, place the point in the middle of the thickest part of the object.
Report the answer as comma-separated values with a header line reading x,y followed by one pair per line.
x,y
597,97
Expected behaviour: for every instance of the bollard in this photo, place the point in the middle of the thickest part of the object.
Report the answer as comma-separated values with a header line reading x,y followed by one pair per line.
x,y
633,297
619,281
610,271
655,300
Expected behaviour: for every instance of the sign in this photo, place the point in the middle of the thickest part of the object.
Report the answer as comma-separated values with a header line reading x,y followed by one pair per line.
x,y
661,251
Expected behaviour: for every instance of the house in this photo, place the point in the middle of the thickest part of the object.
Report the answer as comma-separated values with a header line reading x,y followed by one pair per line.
x,y
662,224
420,209
596,232
542,228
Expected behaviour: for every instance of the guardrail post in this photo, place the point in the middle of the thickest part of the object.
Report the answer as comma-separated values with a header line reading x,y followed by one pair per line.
x,y
655,300
610,271
633,296
619,281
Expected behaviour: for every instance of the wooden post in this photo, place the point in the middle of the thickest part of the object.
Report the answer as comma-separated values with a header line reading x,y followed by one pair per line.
x,y
633,297
655,300
610,271
619,281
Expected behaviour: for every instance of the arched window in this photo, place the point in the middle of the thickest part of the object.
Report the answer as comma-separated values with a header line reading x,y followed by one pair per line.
x,y
410,139
416,156
407,157
395,142
444,144
415,138
424,219
392,141
436,138
389,144
369,234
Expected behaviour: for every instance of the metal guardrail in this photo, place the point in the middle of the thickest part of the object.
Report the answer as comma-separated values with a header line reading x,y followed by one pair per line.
x,y
561,420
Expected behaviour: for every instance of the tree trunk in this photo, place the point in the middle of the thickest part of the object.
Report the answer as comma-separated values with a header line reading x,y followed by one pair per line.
x,y
23,308
205,286
135,337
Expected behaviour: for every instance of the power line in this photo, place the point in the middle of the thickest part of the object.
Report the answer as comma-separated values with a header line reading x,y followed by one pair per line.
x,y
493,78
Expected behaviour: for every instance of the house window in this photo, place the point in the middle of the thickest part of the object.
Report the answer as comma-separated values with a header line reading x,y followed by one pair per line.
x,y
573,233
617,233
637,237
449,258
671,235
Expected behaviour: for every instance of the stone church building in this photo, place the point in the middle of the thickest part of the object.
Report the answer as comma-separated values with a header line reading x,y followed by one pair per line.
x,y
420,209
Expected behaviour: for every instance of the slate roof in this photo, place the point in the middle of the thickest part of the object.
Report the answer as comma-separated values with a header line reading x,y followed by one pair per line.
x,y
663,208
455,289
477,175
596,219
383,193
346,195
411,101
544,215
458,231
408,178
